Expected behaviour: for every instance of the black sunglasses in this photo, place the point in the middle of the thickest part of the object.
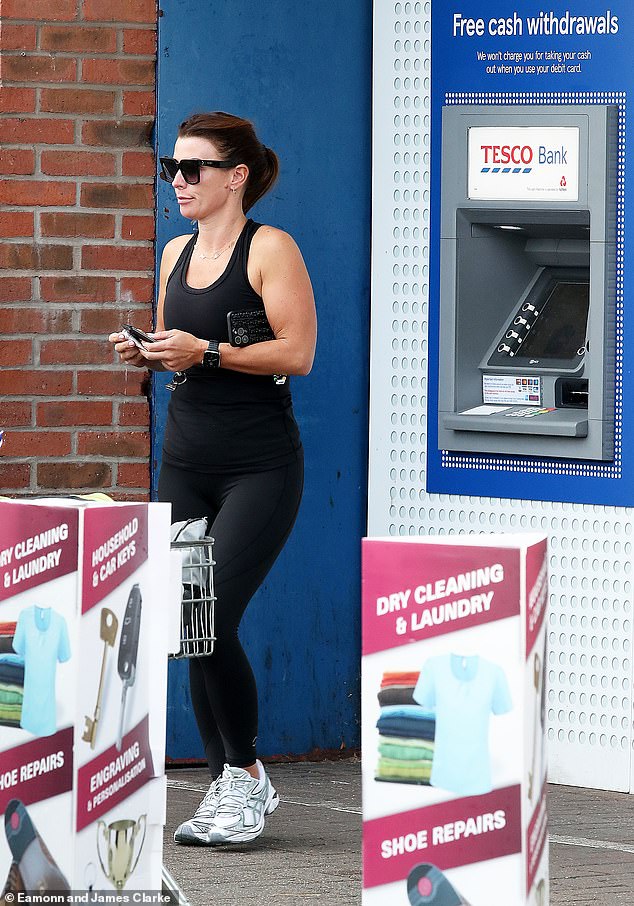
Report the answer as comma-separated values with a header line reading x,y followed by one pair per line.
x,y
190,169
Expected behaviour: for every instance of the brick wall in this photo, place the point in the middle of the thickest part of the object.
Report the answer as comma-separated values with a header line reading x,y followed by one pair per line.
x,y
77,103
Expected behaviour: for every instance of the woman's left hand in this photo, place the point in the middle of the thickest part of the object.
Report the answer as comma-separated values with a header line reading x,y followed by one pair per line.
x,y
175,349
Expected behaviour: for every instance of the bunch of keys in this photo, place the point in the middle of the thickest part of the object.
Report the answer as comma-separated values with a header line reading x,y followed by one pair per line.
x,y
128,648
179,377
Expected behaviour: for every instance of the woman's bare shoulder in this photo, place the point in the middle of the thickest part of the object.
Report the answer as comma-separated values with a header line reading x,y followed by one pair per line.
x,y
268,233
173,248
269,239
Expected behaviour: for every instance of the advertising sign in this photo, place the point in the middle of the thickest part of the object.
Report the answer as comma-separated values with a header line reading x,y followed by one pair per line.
x,y
454,769
83,661
523,163
529,259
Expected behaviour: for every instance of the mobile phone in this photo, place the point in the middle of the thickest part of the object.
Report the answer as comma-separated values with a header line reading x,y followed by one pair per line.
x,y
138,337
247,326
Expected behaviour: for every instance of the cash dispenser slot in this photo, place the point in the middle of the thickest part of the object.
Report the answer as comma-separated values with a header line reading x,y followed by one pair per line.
x,y
571,393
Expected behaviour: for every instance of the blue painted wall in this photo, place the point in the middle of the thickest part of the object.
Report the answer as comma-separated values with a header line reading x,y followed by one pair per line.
x,y
302,73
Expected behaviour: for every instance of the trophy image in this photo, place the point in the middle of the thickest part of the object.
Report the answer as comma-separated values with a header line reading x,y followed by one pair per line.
x,y
119,838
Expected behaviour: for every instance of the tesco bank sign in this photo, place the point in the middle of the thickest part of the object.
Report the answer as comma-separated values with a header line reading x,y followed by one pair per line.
x,y
523,163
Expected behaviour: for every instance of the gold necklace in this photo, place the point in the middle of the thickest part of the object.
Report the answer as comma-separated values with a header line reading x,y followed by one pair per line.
x,y
217,254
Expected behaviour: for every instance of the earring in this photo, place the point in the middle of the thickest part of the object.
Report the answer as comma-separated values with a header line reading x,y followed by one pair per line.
x,y
233,191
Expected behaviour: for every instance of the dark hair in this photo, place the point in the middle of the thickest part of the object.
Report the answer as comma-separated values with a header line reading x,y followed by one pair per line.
x,y
236,140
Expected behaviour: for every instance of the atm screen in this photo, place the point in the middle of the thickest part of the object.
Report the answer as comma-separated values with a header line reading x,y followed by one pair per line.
x,y
560,330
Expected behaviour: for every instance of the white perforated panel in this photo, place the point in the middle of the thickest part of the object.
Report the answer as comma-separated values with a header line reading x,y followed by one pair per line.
x,y
590,624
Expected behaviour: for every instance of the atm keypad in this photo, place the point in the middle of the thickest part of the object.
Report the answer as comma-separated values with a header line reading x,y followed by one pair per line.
x,y
528,412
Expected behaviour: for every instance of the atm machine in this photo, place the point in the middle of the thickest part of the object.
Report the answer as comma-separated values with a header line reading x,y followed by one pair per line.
x,y
528,280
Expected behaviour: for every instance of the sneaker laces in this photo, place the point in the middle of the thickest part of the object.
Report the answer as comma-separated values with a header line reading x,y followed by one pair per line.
x,y
206,808
233,792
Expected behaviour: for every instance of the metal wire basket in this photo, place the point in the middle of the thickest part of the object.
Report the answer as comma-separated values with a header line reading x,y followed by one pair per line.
x,y
197,635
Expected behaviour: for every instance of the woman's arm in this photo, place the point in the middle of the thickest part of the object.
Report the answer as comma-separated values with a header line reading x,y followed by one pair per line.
x,y
128,352
278,273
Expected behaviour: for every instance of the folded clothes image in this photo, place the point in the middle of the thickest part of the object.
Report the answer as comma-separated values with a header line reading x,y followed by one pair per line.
x,y
406,732
399,678
7,631
11,712
10,695
404,771
407,720
397,695
398,688
11,688
11,667
407,749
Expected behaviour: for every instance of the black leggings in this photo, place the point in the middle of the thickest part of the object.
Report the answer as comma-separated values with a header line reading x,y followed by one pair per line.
x,y
250,517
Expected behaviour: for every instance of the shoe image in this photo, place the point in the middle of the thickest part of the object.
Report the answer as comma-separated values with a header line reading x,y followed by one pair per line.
x,y
195,830
428,886
35,865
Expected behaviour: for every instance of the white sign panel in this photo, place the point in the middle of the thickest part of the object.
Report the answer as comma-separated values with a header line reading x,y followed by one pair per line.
x,y
511,390
83,683
523,163
453,700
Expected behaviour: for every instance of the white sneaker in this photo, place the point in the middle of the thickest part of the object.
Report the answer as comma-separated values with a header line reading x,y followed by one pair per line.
x,y
243,804
196,829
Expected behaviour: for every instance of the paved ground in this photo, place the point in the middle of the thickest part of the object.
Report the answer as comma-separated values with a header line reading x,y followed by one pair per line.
x,y
310,849
591,847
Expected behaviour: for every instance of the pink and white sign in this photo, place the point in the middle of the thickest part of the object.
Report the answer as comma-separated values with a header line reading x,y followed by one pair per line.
x,y
115,545
84,599
37,545
452,701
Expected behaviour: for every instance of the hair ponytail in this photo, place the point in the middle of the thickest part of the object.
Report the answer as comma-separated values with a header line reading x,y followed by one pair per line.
x,y
261,178
236,140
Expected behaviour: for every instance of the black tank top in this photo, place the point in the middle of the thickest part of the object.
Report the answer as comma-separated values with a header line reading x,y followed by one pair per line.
x,y
221,420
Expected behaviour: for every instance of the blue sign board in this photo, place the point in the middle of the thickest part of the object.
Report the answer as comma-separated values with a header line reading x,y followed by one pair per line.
x,y
507,420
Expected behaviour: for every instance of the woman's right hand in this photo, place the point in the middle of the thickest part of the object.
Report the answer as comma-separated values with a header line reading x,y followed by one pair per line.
x,y
129,353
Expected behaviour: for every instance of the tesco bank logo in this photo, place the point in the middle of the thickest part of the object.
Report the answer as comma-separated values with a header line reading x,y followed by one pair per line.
x,y
523,162
521,156
507,154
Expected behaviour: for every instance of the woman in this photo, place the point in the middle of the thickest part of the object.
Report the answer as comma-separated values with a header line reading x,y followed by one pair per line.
x,y
232,449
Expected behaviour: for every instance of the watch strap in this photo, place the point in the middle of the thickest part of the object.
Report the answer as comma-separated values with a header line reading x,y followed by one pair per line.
x,y
211,356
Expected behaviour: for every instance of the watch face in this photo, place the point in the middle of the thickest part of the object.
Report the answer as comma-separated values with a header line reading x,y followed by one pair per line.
x,y
211,358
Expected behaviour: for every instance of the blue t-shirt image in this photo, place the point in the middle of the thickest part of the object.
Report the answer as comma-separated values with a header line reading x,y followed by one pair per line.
x,y
464,691
41,637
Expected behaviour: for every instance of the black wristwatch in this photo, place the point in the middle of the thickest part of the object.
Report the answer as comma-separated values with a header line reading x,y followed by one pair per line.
x,y
211,356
